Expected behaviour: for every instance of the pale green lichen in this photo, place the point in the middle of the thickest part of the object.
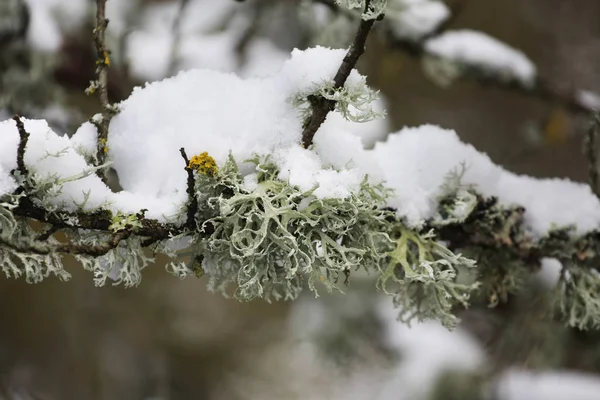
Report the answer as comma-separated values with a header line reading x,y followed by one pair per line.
x,y
375,10
424,277
267,242
122,221
353,101
578,297
123,264
16,243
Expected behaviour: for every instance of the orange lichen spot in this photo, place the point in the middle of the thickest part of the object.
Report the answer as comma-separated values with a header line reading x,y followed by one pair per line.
x,y
204,164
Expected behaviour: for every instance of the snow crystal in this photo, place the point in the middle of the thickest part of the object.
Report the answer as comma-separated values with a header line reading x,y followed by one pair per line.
x,y
414,19
483,51
416,162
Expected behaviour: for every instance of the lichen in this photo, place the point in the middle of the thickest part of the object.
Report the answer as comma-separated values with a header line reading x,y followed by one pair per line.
x,y
353,101
204,164
269,241
424,277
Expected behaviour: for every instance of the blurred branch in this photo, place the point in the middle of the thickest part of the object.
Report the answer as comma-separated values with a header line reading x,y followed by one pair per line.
x,y
176,29
541,89
592,148
101,86
322,106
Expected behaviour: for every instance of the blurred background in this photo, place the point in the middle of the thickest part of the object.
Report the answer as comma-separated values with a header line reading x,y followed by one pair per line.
x,y
171,339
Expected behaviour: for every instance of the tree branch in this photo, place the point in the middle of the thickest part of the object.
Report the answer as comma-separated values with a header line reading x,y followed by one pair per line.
x,y
592,148
321,106
192,207
23,138
495,228
101,86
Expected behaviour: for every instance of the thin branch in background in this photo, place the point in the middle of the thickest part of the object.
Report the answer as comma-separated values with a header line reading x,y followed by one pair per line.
x,y
176,32
322,106
102,65
541,89
592,148
245,38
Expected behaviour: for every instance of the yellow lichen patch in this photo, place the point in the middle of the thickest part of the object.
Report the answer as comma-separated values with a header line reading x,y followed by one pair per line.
x,y
106,59
104,145
204,164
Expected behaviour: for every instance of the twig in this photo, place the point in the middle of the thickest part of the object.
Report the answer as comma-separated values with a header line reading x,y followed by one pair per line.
x,y
23,138
592,147
103,63
320,105
176,29
192,208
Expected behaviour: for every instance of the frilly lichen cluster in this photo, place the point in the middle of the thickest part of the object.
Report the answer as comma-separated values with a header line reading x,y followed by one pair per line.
x,y
425,276
269,241
353,101
375,10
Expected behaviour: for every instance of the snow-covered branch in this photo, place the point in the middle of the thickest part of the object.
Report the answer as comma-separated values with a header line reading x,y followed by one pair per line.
x,y
260,185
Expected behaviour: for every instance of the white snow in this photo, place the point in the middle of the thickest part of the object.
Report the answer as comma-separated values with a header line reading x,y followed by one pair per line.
x,y
414,19
427,350
551,385
204,110
416,161
50,19
202,43
479,50
549,272
50,156
588,99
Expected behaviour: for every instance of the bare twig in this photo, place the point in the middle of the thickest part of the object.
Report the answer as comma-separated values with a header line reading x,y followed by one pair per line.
x,y
592,148
102,65
192,207
23,138
322,106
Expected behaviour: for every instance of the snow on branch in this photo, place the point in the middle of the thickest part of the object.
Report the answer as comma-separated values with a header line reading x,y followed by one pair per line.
x,y
227,178
321,105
